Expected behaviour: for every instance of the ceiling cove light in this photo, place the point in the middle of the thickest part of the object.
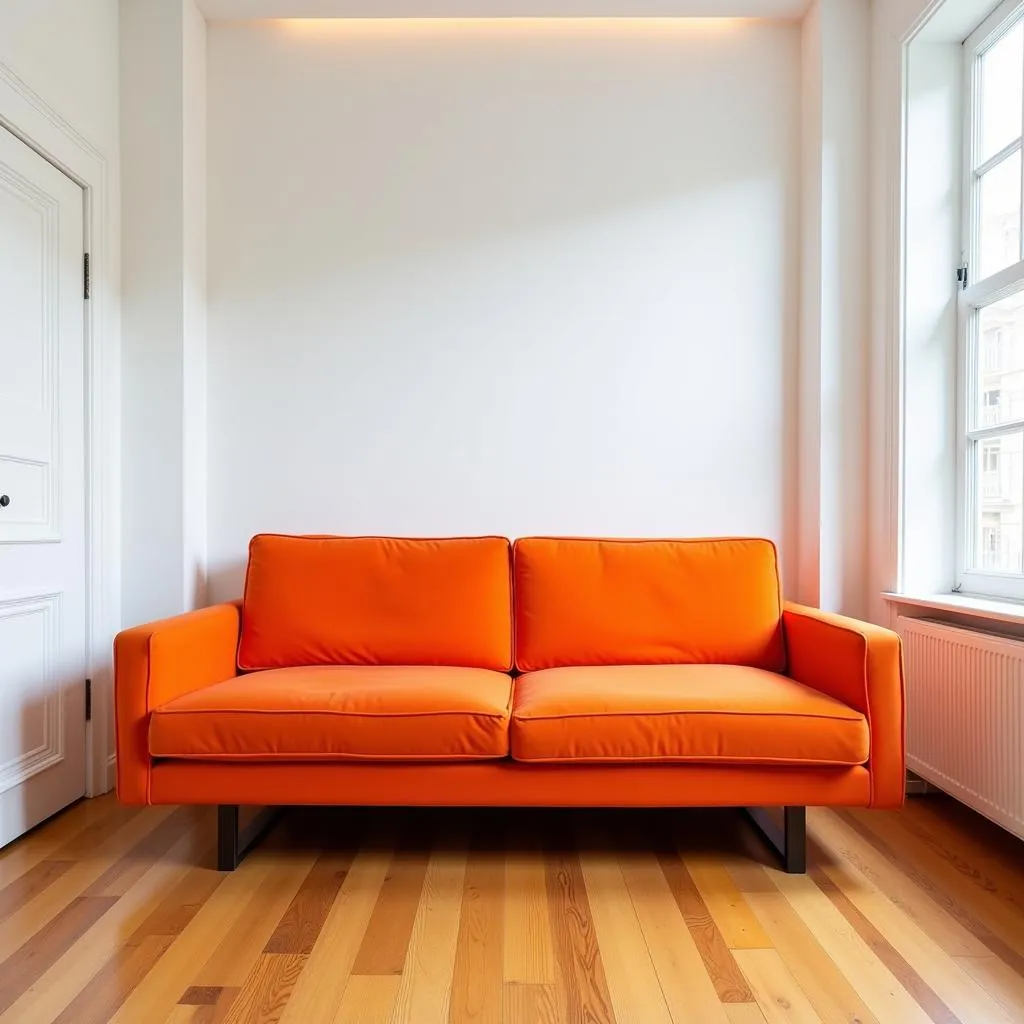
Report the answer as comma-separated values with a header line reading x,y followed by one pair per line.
x,y
557,26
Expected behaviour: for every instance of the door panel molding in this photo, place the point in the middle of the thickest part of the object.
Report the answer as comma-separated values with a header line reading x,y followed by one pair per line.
x,y
35,403
50,751
27,115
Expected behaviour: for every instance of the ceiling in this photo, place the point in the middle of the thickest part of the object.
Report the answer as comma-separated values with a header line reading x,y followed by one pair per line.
x,y
243,9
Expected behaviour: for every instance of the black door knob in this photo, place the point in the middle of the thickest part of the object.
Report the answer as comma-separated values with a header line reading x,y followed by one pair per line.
x,y
4,501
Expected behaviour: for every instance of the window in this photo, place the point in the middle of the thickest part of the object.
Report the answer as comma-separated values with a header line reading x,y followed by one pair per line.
x,y
992,353
991,505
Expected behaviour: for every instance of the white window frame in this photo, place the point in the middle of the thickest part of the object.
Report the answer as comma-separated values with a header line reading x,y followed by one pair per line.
x,y
972,299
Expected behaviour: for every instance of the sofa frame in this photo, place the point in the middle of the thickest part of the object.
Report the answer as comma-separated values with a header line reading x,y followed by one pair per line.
x,y
191,727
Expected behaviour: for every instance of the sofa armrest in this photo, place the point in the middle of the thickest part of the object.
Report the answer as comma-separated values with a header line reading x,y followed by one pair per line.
x,y
156,663
861,665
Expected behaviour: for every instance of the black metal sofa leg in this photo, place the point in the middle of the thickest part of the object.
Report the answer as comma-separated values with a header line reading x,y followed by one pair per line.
x,y
788,841
234,843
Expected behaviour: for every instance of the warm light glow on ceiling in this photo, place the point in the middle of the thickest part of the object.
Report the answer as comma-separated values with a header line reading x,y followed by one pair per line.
x,y
651,27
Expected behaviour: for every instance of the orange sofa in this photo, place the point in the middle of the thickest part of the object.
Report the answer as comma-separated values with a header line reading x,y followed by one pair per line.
x,y
468,671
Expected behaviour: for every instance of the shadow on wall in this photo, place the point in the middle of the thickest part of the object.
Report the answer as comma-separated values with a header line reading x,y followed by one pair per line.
x,y
226,582
495,279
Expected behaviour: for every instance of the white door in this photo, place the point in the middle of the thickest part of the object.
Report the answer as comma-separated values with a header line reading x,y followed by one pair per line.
x,y
42,490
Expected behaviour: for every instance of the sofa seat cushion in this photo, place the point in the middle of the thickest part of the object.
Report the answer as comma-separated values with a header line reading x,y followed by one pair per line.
x,y
348,713
705,713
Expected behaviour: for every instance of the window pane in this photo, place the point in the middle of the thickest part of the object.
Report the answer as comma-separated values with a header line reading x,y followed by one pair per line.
x,y
999,235
1001,504
1002,83
1001,362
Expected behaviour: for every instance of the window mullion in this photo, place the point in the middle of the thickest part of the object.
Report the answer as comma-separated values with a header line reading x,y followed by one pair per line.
x,y
996,431
994,161
1021,214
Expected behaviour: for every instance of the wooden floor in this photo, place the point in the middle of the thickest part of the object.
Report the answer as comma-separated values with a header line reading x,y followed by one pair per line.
x,y
114,914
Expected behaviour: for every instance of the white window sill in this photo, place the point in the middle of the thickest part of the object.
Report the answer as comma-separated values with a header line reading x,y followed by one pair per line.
x,y
991,608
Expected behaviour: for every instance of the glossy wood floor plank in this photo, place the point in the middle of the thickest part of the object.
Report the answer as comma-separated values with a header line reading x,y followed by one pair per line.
x,y
745,1013
424,995
577,955
91,864
160,903
834,999
266,989
848,844
30,883
479,953
240,947
999,981
176,971
719,962
958,992
392,917
300,927
529,955
927,998
368,999
52,840
320,990
688,989
975,858
870,976
995,922
781,999
41,950
739,927
633,984
387,938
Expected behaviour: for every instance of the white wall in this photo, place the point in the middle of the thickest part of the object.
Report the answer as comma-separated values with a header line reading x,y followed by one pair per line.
x,y
163,68
512,278
808,582
66,50
933,234
890,23
832,365
194,303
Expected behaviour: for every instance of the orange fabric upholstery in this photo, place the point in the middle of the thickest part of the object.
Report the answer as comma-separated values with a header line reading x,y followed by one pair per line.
x,y
340,714
377,601
708,713
609,602
862,666
654,677
156,663
506,784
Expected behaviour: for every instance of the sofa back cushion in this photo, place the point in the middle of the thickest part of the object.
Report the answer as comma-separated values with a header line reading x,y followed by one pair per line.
x,y
643,602
377,601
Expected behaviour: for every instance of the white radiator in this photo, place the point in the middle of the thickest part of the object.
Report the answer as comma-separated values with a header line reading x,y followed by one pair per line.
x,y
965,716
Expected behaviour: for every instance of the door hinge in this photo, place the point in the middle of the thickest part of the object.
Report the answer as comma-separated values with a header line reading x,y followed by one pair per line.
x,y
88,700
961,275
86,275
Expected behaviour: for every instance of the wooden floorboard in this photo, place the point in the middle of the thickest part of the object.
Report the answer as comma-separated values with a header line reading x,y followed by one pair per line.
x,y
518,917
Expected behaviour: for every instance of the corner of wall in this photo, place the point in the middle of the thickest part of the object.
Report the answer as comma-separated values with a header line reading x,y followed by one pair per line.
x,y
835,295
